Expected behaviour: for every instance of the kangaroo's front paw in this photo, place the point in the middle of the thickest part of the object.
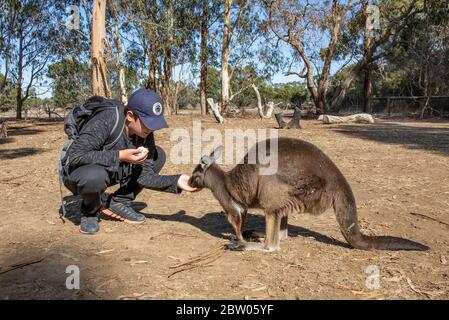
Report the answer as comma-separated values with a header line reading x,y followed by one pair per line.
x,y
260,247
247,246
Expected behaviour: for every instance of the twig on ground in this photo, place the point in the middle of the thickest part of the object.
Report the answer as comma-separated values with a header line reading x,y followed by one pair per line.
x,y
104,251
203,260
201,257
21,265
204,265
13,178
430,218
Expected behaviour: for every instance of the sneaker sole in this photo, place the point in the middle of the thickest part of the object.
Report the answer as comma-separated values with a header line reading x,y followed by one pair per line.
x,y
111,214
84,232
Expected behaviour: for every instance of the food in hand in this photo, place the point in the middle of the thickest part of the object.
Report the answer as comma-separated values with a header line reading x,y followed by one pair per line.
x,y
142,151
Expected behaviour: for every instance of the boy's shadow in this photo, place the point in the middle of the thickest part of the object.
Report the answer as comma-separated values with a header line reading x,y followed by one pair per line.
x,y
215,224
73,209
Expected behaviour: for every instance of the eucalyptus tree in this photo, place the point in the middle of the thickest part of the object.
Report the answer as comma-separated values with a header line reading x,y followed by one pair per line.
x,y
315,30
33,38
244,43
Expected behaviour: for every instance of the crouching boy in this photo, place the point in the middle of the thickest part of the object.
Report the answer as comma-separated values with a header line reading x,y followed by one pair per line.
x,y
93,163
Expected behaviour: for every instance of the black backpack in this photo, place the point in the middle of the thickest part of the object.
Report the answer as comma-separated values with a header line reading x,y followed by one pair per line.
x,y
75,121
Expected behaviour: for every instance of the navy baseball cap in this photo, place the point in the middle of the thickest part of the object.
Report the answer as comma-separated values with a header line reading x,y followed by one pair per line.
x,y
147,105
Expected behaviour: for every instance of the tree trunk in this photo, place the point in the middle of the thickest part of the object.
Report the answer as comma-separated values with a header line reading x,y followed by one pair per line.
x,y
152,49
259,105
121,62
367,85
3,129
321,103
100,85
152,57
367,90
282,124
225,56
166,82
340,92
177,87
19,100
215,110
294,123
203,81
426,67
270,108
168,61
259,102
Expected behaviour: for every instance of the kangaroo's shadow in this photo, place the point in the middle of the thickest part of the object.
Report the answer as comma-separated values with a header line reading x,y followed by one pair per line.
x,y
215,224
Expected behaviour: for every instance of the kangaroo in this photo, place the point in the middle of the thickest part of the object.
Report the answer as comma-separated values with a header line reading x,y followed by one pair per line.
x,y
306,181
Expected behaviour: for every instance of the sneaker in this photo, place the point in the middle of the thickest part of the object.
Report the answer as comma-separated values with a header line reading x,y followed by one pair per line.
x,y
89,223
123,212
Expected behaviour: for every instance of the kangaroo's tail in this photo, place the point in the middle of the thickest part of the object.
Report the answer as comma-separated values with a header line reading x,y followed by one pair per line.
x,y
346,213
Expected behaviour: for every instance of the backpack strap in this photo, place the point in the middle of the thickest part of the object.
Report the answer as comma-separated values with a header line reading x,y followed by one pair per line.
x,y
117,130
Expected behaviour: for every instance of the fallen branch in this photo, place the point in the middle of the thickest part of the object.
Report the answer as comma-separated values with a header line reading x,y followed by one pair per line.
x,y
357,118
430,218
208,264
215,110
21,265
13,178
104,251
428,294
201,257
203,260
136,296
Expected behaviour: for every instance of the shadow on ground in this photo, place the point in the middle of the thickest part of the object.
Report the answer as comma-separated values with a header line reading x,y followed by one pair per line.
x,y
28,272
7,140
215,224
8,154
412,137
23,130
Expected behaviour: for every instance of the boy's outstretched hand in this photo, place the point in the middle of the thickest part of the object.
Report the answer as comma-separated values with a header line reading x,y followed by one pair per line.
x,y
132,156
183,183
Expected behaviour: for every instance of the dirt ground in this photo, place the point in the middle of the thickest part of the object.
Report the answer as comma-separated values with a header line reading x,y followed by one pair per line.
x,y
399,172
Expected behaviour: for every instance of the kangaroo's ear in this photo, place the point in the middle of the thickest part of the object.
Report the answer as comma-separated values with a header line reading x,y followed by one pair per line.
x,y
216,154
206,161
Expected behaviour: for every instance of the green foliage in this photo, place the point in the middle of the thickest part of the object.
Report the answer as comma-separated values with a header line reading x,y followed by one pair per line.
x,y
7,95
132,81
292,93
188,95
71,82
213,86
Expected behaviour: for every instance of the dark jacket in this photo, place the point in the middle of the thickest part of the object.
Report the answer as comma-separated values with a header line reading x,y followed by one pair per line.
x,y
88,149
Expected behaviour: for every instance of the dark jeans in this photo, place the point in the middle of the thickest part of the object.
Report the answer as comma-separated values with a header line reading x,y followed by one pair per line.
x,y
90,181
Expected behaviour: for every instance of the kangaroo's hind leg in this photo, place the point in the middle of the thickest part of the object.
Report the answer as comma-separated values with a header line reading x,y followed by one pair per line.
x,y
271,243
250,234
283,232
260,236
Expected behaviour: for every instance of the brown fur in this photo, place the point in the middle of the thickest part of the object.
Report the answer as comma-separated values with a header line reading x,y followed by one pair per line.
x,y
306,181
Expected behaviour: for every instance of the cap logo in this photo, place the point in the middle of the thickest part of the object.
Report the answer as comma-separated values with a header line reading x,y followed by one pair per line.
x,y
157,109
